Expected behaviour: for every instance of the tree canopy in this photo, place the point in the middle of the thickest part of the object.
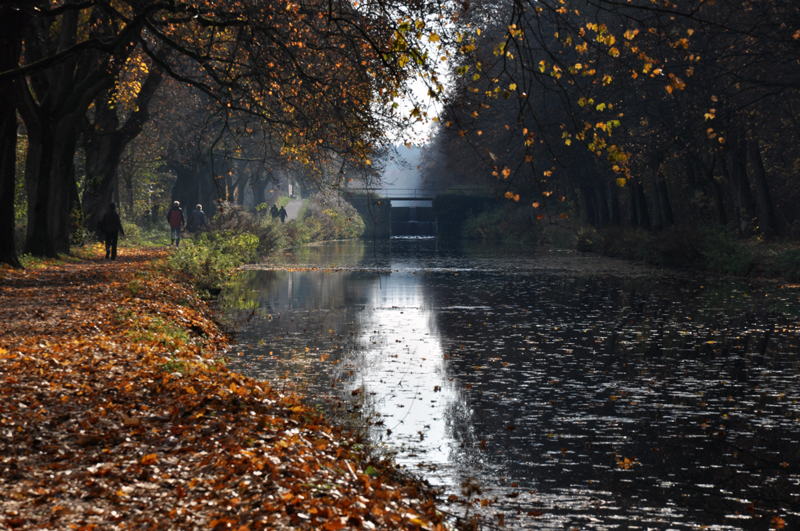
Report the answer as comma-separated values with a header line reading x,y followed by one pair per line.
x,y
661,99
316,79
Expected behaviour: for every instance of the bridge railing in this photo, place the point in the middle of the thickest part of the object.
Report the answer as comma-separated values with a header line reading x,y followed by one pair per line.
x,y
400,194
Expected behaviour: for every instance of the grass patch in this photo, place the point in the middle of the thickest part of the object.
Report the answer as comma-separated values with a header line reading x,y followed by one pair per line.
x,y
175,365
154,329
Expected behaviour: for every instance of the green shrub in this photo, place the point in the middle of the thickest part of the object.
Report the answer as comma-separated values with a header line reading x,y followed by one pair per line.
x,y
328,217
486,225
147,234
453,211
506,222
210,257
588,240
784,264
724,253
679,246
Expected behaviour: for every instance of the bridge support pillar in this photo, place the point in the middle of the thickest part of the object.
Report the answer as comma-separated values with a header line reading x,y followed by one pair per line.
x,y
377,215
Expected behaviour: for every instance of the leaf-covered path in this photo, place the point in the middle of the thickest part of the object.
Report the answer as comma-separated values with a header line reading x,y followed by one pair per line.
x,y
117,413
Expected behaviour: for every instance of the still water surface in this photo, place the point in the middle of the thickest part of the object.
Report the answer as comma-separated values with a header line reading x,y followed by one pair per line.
x,y
573,391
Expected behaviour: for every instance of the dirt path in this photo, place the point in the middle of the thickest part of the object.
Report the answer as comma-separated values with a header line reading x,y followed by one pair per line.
x,y
293,208
117,412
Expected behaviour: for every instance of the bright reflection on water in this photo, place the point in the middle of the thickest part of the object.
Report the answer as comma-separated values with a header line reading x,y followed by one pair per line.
x,y
578,392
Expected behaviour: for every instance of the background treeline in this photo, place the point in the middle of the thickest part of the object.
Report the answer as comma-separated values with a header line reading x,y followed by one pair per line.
x,y
145,102
676,121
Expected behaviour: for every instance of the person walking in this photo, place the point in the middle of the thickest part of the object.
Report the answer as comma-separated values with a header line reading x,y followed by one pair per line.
x,y
176,221
112,227
282,213
274,211
197,218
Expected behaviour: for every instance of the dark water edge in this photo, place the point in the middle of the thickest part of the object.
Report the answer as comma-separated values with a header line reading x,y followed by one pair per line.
x,y
575,391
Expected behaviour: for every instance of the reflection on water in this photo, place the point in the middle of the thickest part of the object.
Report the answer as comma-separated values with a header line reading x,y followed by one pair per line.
x,y
579,392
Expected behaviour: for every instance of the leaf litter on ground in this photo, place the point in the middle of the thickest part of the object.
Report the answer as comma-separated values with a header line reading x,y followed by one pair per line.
x,y
118,412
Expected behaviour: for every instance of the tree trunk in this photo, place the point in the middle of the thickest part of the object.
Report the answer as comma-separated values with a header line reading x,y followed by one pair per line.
x,y
104,143
640,204
735,164
658,217
103,148
614,214
12,25
258,192
588,203
52,103
716,192
663,197
601,202
766,210
49,174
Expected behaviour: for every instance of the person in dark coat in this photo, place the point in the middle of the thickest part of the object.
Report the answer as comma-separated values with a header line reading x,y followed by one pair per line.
x,y
176,221
112,227
274,211
282,213
197,218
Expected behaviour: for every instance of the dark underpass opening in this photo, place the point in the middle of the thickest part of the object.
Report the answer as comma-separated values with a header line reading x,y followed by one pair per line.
x,y
413,221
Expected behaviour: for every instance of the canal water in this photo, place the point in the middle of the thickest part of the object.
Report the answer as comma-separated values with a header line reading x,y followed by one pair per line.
x,y
543,388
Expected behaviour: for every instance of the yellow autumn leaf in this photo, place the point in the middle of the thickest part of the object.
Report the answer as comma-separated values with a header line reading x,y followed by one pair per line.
x,y
630,34
149,459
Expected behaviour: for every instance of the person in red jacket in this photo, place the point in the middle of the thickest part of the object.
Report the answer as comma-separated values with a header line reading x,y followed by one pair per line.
x,y
176,221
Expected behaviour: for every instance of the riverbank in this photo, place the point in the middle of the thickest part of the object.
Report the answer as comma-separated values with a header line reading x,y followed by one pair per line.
x,y
696,246
118,412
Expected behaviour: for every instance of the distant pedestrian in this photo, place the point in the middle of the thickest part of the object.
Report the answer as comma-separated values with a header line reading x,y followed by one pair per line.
x,y
111,228
197,218
176,221
274,211
282,213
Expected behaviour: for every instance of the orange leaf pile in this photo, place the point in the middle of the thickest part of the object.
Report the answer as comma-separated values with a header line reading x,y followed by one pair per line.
x,y
116,408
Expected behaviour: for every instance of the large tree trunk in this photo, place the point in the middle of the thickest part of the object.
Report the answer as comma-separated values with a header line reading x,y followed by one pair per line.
x,y
52,104
103,148
614,214
663,197
716,188
639,203
766,210
601,202
709,182
258,192
50,180
588,202
658,216
104,143
736,172
12,25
